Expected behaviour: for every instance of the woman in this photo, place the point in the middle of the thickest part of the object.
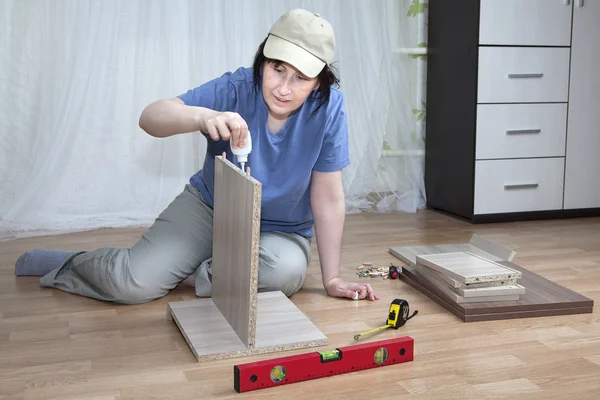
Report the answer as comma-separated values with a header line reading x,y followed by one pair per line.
x,y
297,122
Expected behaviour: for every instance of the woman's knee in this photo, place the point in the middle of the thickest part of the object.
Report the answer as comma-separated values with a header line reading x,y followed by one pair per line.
x,y
282,265
281,277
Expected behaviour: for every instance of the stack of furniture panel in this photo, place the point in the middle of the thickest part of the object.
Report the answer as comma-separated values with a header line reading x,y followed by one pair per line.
x,y
469,295
470,278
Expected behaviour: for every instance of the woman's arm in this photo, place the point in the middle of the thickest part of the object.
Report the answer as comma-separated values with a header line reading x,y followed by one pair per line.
x,y
329,210
170,117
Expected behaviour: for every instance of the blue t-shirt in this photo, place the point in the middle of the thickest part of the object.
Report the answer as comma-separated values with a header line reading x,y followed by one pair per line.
x,y
282,162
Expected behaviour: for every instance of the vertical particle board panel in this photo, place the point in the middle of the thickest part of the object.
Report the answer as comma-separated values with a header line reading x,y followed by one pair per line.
x,y
236,237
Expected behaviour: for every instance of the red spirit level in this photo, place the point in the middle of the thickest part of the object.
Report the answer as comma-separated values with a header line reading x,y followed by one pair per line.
x,y
319,364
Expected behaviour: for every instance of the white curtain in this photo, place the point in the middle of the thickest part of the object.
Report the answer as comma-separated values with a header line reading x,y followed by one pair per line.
x,y
75,76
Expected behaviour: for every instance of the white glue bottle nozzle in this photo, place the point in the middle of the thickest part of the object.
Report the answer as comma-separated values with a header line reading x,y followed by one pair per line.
x,y
241,153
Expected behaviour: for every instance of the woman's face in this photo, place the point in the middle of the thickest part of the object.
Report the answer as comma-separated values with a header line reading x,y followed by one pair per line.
x,y
285,88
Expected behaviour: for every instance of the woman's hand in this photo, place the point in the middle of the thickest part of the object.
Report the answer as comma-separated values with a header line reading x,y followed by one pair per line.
x,y
337,287
226,126
168,117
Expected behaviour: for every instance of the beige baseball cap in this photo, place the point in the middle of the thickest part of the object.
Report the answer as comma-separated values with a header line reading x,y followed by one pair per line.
x,y
303,39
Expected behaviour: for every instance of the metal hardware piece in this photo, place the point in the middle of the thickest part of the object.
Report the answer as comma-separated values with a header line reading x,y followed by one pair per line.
x,y
522,131
521,186
525,75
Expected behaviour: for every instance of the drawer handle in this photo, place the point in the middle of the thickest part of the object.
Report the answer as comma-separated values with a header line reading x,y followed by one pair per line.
x,y
525,75
522,131
521,186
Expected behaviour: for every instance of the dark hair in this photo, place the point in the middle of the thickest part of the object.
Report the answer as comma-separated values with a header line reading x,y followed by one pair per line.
x,y
326,77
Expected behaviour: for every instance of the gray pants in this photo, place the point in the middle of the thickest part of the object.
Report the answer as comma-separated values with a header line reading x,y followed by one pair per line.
x,y
178,244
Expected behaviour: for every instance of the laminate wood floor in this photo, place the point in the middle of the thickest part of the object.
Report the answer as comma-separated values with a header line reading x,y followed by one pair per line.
x,y
55,345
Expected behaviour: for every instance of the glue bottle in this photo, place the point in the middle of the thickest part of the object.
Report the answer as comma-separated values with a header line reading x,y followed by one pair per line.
x,y
241,153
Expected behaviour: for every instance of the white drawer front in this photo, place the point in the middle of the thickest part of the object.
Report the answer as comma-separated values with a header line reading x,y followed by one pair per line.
x,y
518,185
523,74
521,130
525,22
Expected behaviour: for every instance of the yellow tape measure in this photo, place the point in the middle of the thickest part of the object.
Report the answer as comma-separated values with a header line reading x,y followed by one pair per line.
x,y
397,317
